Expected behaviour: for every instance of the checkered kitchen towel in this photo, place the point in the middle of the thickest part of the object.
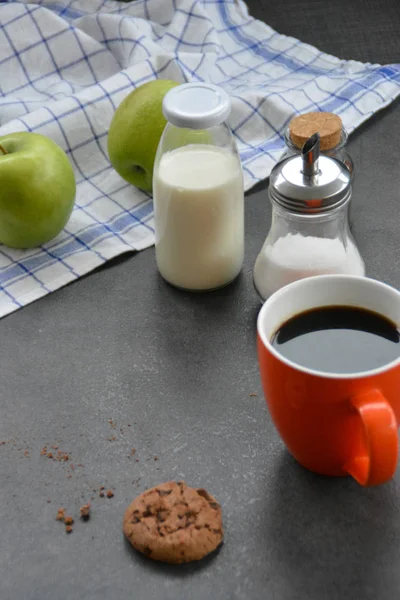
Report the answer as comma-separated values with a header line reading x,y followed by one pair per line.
x,y
65,65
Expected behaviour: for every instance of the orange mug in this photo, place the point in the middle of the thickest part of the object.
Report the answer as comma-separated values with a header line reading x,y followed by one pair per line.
x,y
333,423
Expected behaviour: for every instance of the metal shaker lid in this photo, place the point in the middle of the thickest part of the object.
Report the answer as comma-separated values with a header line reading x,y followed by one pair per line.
x,y
310,183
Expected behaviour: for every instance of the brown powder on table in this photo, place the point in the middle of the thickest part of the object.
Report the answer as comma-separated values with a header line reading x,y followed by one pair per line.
x,y
61,456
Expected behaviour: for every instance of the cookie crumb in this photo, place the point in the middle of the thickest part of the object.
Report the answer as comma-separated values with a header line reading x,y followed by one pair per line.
x,y
68,529
252,395
133,451
85,512
62,456
112,438
60,514
110,494
68,520
101,494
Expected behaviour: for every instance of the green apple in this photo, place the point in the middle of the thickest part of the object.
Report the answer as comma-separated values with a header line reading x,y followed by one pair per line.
x,y
37,189
135,131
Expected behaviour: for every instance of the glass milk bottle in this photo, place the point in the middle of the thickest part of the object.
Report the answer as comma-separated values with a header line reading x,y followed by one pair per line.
x,y
198,191
309,233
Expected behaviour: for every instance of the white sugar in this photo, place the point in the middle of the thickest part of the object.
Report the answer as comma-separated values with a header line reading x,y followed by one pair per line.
x,y
295,256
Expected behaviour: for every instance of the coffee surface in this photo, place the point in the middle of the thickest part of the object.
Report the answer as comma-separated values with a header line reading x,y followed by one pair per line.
x,y
338,339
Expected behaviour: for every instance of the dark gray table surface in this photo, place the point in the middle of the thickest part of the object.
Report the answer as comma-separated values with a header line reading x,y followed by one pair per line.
x,y
176,374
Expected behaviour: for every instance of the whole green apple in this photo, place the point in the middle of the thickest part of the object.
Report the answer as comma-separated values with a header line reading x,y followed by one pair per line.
x,y
37,189
135,131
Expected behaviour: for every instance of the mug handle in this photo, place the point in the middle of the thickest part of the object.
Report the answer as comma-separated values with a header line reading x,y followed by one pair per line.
x,y
378,462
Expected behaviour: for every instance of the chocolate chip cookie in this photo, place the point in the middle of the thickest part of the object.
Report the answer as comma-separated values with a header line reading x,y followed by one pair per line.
x,y
174,523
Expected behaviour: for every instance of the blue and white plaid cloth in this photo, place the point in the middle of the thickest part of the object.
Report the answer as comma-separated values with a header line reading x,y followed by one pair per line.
x,y
65,65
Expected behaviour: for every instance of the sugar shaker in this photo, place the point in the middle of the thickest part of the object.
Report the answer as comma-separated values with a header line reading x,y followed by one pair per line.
x,y
309,233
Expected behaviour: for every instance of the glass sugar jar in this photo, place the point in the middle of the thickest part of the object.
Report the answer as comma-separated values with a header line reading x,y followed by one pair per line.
x,y
333,136
309,233
198,191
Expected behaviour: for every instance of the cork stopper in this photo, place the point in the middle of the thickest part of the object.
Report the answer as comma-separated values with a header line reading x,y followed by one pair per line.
x,y
328,125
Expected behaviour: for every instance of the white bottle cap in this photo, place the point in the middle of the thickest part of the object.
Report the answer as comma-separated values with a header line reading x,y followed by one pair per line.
x,y
196,105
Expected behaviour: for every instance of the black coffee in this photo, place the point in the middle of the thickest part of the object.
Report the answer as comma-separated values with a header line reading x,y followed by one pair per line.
x,y
338,339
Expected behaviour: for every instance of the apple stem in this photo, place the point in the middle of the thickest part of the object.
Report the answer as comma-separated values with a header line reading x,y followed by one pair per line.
x,y
3,149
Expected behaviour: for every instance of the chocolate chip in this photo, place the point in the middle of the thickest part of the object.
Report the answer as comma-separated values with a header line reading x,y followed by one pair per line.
x,y
162,515
204,494
135,520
